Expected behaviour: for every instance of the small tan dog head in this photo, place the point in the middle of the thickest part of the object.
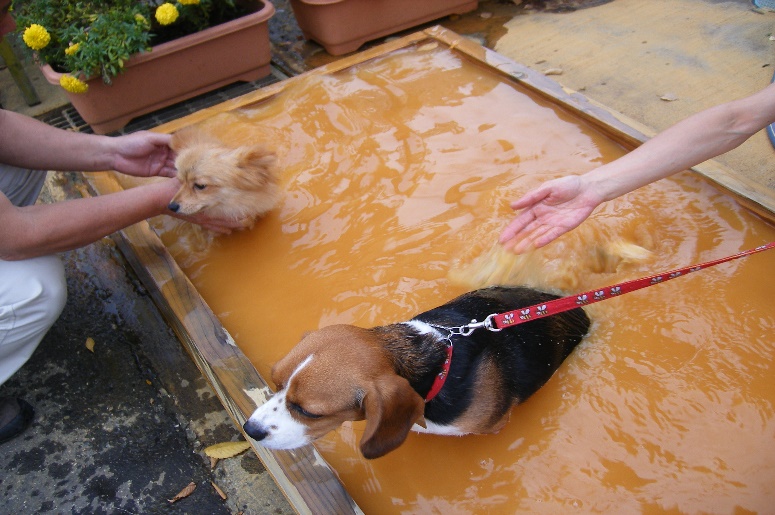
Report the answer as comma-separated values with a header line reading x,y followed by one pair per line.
x,y
314,395
222,181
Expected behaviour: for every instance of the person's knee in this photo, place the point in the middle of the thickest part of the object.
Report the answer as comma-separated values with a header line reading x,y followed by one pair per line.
x,y
33,295
53,292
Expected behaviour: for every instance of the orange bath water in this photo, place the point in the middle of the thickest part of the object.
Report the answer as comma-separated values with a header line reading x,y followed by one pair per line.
x,y
397,177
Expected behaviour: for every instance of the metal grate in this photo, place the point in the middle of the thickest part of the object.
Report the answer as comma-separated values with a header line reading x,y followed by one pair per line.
x,y
69,119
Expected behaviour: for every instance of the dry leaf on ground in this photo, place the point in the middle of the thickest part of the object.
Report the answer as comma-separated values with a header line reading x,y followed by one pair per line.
x,y
90,344
188,490
227,449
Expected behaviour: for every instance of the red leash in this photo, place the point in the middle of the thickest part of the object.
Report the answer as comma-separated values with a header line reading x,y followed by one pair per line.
x,y
522,315
500,321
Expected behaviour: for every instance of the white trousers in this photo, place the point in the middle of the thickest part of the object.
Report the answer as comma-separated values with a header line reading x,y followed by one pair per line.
x,y
32,295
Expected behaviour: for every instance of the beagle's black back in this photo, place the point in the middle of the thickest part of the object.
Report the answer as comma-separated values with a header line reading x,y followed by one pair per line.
x,y
520,358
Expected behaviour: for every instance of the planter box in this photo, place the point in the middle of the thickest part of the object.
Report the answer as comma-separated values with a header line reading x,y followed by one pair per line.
x,y
342,26
234,51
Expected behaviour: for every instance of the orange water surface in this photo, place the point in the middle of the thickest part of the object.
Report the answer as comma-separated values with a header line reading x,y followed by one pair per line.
x,y
397,176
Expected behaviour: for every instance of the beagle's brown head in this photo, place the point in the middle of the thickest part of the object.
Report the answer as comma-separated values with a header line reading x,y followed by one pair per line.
x,y
336,374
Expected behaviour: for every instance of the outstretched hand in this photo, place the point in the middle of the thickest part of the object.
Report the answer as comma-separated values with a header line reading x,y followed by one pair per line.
x,y
548,212
144,154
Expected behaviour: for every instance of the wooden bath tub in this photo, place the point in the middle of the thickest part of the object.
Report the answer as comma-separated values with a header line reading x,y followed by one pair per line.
x,y
621,424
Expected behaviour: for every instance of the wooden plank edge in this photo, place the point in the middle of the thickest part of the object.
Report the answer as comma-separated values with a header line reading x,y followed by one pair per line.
x,y
253,98
304,477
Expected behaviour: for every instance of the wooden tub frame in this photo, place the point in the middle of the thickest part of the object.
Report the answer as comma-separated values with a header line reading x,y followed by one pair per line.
x,y
308,482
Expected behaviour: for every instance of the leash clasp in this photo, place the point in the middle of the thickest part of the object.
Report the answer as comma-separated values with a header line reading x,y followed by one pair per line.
x,y
466,330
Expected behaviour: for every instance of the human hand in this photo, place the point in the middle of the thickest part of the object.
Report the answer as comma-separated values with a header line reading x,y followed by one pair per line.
x,y
216,225
144,154
548,212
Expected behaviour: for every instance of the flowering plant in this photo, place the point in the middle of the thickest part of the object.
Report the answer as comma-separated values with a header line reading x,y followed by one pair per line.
x,y
95,38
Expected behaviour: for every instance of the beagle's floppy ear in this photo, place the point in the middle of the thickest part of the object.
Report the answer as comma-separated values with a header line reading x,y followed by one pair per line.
x,y
391,407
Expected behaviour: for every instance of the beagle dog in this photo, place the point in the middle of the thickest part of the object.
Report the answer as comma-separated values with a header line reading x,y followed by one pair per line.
x,y
385,374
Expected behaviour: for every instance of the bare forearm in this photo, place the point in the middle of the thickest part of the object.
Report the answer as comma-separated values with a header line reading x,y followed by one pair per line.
x,y
690,142
50,228
24,137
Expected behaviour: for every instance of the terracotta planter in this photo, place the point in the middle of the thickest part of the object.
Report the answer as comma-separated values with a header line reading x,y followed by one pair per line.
x,y
234,51
6,21
342,26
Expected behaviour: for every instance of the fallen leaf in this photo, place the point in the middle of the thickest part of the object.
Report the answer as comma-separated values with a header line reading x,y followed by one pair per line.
x,y
669,97
227,449
213,462
218,491
188,490
553,71
90,344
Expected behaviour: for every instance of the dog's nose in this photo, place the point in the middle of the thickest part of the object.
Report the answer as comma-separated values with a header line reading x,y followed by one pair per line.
x,y
173,206
254,430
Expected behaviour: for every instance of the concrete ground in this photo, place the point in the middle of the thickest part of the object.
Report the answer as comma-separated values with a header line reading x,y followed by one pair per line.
x,y
122,429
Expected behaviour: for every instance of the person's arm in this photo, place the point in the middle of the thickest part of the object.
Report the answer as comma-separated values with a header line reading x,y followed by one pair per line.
x,y
43,229
29,143
561,205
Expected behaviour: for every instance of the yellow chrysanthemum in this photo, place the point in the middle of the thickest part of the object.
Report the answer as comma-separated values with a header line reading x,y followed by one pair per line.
x,y
72,48
73,84
36,36
166,13
188,2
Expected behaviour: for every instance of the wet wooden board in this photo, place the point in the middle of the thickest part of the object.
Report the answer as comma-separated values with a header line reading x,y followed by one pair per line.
x,y
308,482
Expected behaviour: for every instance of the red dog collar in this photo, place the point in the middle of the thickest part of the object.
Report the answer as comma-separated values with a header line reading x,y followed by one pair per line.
x,y
441,377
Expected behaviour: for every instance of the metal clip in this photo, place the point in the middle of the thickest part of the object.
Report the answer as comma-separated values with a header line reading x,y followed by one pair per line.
x,y
466,330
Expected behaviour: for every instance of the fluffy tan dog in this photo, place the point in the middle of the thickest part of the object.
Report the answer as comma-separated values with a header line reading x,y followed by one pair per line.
x,y
237,181
224,173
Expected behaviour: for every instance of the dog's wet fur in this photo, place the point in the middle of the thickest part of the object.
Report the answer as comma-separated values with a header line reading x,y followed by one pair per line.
x,y
222,180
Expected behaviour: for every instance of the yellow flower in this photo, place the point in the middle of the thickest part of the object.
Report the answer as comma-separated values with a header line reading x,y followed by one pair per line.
x,y
72,48
73,84
166,13
188,2
139,18
36,37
